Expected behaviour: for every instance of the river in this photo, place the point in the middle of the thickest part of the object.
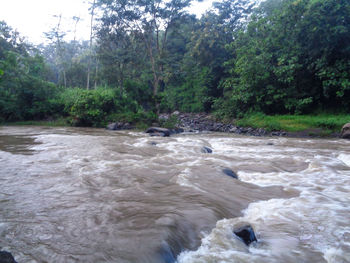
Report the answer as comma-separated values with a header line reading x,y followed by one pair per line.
x,y
92,195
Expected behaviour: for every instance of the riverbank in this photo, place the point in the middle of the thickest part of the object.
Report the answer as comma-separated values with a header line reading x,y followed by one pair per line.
x,y
261,125
300,126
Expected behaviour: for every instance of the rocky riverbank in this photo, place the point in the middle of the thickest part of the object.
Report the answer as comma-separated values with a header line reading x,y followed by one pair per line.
x,y
201,122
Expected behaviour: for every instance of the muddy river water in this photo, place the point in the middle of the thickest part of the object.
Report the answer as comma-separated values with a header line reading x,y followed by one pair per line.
x,y
92,195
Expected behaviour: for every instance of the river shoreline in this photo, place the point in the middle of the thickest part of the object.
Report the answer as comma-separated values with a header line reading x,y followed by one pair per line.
x,y
202,122
199,122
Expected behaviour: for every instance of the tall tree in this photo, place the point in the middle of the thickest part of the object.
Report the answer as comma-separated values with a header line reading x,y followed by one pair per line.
x,y
92,14
151,20
56,36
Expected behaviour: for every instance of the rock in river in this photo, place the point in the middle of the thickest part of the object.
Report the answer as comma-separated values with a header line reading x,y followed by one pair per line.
x,y
119,126
345,131
206,149
6,257
246,234
229,172
157,131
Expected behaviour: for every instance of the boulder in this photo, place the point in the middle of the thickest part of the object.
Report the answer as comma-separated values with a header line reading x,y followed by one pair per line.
x,y
246,234
206,149
345,131
157,131
6,257
176,130
119,126
229,172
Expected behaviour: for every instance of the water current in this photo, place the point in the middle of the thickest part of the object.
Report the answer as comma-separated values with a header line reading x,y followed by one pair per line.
x,y
92,195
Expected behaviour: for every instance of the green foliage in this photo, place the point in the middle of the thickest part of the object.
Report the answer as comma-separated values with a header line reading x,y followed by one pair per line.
x,y
24,92
139,92
60,122
171,123
284,57
295,123
92,107
139,118
291,60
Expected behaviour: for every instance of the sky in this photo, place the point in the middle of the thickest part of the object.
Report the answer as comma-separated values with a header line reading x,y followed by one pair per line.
x,y
34,17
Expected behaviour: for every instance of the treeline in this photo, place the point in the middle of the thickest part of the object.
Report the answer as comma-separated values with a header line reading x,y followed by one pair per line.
x,y
146,57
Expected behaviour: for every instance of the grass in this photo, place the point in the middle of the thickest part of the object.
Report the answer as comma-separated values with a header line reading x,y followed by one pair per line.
x,y
54,123
327,123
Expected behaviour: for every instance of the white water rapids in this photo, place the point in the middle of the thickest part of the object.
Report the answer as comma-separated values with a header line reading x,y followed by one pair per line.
x,y
91,195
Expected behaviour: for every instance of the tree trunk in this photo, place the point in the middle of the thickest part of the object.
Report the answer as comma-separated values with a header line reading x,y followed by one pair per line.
x,y
90,48
64,78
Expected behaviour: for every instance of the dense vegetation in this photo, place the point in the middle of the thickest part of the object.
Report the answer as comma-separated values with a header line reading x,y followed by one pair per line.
x,y
146,57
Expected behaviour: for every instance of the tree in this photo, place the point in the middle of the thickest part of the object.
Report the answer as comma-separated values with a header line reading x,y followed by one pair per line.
x,y
93,6
56,36
150,20
292,59
24,91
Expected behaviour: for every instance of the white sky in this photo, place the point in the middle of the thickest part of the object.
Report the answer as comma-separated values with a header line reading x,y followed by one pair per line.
x,y
33,17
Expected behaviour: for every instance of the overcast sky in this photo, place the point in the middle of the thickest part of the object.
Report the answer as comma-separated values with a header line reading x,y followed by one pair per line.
x,y
33,17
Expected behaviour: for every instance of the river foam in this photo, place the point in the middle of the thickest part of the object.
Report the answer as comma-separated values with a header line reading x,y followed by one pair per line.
x,y
90,195
312,227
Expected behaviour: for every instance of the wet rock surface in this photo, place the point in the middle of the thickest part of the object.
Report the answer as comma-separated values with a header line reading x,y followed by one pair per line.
x,y
230,173
119,126
246,234
6,257
206,149
345,132
199,122
157,131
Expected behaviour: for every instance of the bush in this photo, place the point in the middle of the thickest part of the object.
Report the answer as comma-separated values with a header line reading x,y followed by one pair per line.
x,y
88,107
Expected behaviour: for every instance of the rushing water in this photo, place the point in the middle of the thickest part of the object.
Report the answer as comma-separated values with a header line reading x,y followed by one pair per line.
x,y
91,195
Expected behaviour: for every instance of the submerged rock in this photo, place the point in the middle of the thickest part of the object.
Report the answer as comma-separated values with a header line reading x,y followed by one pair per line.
x,y
246,234
167,254
157,131
229,172
206,149
345,131
6,257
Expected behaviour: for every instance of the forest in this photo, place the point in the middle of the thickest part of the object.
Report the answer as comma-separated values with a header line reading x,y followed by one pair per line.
x,y
148,57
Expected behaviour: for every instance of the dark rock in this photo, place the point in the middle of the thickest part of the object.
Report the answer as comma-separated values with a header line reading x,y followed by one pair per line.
x,y
246,234
206,149
158,134
229,172
203,122
6,257
119,126
275,133
176,130
345,131
270,143
153,143
157,131
112,126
